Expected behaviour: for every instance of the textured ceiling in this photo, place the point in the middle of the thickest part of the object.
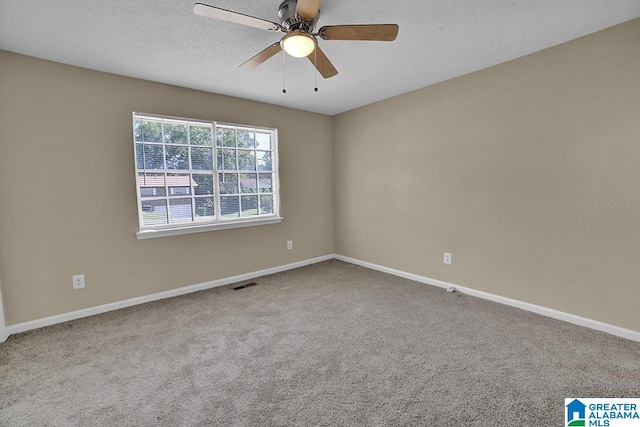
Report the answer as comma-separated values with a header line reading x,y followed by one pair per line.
x,y
164,41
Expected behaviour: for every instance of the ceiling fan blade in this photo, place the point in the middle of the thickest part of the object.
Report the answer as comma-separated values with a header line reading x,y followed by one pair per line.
x,y
235,17
381,32
308,9
322,63
262,56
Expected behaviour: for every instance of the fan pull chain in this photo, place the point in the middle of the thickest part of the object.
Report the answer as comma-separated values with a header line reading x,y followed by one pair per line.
x,y
284,67
315,71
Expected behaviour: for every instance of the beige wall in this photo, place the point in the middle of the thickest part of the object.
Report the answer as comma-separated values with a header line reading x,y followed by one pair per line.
x,y
528,172
68,199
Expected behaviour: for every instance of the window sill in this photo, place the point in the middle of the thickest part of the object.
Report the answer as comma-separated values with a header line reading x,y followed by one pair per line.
x,y
164,232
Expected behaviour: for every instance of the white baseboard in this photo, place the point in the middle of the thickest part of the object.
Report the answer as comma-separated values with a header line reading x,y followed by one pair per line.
x,y
60,318
560,315
4,334
570,318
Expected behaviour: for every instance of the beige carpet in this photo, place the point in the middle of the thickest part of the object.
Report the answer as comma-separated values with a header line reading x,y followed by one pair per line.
x,y
331,344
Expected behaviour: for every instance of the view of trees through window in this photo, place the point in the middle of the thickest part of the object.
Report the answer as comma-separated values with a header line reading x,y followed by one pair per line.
x,y
194,172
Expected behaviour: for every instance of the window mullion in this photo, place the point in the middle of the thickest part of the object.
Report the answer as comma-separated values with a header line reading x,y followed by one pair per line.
x,y
216,181
192,190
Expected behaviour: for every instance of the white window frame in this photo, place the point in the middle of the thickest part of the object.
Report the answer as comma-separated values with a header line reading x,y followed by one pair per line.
x,y
218,221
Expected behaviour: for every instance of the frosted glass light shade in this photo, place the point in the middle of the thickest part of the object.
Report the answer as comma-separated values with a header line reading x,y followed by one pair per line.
x,y
298,45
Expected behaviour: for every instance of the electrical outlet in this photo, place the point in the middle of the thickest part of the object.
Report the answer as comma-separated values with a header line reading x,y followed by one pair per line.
x,y
447,258
78,281
289,245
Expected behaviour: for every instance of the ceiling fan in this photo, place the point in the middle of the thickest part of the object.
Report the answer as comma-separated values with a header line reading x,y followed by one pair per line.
x,y
297,20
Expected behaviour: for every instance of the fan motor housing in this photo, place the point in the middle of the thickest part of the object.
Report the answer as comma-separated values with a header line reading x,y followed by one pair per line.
x,y
291,21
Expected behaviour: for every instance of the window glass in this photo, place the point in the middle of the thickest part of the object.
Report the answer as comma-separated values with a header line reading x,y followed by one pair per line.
x,y
180,184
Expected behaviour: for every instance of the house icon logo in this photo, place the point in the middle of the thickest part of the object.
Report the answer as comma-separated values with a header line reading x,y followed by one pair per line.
x,y
576,413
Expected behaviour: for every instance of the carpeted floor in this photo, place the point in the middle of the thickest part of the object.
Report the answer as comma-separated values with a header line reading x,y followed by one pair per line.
x,y
331,344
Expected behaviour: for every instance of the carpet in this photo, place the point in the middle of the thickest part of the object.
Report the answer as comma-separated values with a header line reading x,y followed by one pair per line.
x,y
330,344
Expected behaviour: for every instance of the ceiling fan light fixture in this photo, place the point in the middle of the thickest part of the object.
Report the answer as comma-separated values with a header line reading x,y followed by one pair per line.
x,y
298,44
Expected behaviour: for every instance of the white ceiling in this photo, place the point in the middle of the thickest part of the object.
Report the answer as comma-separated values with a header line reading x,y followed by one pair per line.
x,y
164,41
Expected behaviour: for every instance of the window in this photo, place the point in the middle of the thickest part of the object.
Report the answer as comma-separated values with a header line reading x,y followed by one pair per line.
x,y
200,176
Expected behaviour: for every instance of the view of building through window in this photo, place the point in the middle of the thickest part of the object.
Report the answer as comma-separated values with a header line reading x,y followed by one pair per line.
x,y
193,172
